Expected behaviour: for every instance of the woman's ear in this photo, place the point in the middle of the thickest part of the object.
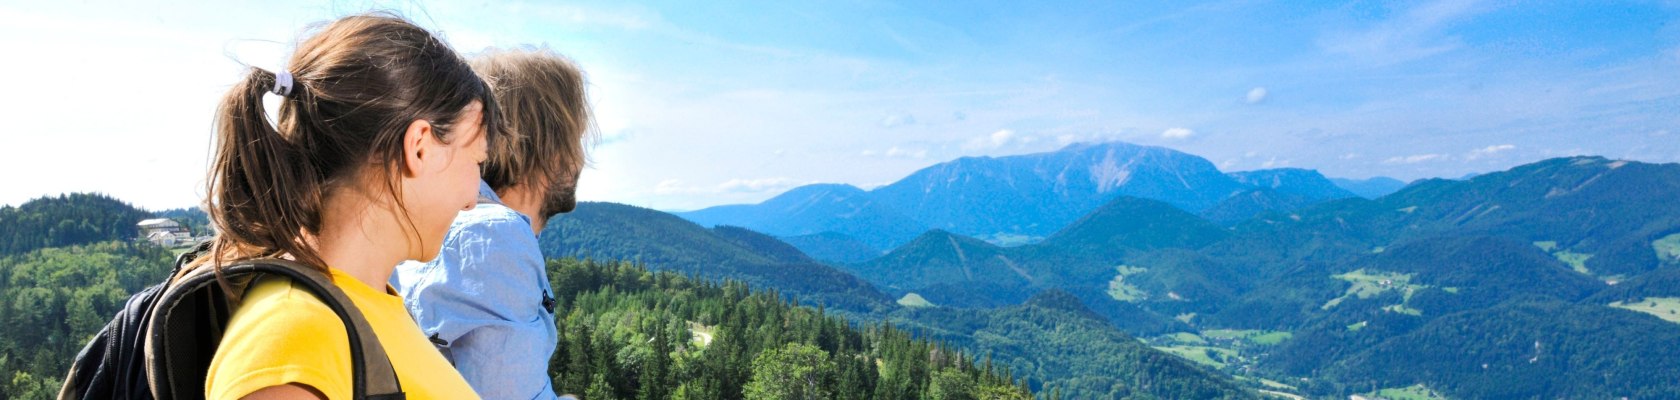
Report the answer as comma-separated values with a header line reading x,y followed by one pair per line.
x,y
415,149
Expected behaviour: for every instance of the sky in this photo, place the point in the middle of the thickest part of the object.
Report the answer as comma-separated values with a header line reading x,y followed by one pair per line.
x,y
708,104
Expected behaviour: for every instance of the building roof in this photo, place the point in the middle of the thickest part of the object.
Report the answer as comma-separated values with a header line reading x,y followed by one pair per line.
x,y
158,223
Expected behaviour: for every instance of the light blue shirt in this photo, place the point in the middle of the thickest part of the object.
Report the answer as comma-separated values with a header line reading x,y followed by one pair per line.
x,y
485,300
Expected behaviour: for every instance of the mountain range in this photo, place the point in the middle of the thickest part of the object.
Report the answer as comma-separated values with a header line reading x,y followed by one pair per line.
x,y
1020,199
1554,279
1362,286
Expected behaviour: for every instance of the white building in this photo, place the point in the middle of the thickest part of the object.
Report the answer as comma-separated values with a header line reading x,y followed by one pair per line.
x,y
164,232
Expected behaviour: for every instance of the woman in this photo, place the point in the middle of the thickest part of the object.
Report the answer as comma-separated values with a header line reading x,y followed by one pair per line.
x,y
376,147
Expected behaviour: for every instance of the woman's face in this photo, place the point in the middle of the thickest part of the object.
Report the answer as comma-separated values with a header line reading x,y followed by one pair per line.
x,y
447,182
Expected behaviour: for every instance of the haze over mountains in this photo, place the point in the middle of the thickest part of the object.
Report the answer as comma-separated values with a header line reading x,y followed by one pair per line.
x,y
1555,279
1361,284
1022,199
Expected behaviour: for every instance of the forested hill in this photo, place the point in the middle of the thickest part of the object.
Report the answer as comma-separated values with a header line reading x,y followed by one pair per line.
x,y
66,220
1060,348
52,300
607,231
629,333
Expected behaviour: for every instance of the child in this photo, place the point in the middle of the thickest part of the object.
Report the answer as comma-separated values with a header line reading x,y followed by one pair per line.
x,y
485,300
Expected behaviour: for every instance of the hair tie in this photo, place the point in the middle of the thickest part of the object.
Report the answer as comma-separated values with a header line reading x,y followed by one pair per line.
x,y
282,83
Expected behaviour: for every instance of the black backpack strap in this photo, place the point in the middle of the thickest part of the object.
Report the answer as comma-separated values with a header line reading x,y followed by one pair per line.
x,y
176,356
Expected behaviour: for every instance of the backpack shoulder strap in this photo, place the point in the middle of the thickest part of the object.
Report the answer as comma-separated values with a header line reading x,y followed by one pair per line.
x,y
176,356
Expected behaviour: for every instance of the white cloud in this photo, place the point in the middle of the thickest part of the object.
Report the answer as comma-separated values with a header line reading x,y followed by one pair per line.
x,y
737,185
995,140
1066,139
673,186
758,185
1415,158
1001,137
1488,151
1256,95
897,120
1349,156
1274,162
1177,133
896,152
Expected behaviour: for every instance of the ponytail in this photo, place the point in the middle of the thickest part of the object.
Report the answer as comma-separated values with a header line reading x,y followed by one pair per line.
x,y
359,81
262,192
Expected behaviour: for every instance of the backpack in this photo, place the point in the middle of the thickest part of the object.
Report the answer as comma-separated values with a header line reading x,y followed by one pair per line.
x,y
159,345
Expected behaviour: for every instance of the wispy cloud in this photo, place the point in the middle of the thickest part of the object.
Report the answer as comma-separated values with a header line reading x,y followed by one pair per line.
x,y
1488,151
1416,158
1256,95
732,186
997,139
897,120
896,152
1416,33
1177,133
1274,162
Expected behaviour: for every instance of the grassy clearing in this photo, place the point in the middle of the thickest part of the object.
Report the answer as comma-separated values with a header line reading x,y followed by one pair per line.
x,y
1401,308
1211,356
1275,384
1668,248
1186,338
1271,338
1185,318
1358,326
1122,291
1667,308
914,300
1265,384
1259,337
1413,392
1576,261
1368,284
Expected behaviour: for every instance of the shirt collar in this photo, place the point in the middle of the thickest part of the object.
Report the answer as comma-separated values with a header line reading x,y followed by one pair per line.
x,y
487,196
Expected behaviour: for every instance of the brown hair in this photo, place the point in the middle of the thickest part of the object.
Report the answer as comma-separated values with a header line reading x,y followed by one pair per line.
x,y
545,113
359,82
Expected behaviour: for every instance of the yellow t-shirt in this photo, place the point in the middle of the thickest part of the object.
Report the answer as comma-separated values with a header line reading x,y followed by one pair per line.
x,y
283,334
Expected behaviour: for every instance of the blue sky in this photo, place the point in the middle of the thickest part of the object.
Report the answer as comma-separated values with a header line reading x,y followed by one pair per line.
x,y
733,103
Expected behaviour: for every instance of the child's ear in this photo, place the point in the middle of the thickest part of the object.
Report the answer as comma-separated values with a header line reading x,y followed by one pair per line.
x,y
415,151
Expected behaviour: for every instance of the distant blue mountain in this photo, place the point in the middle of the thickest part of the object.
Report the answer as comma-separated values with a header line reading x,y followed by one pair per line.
x,y
815,209
1038,194
1304,182
1283,189
1370,188
1030,196
837,248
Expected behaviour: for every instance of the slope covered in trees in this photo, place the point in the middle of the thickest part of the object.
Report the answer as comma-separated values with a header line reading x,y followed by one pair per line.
x,y
607,231
53,300
629,333
1063,347
66,220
